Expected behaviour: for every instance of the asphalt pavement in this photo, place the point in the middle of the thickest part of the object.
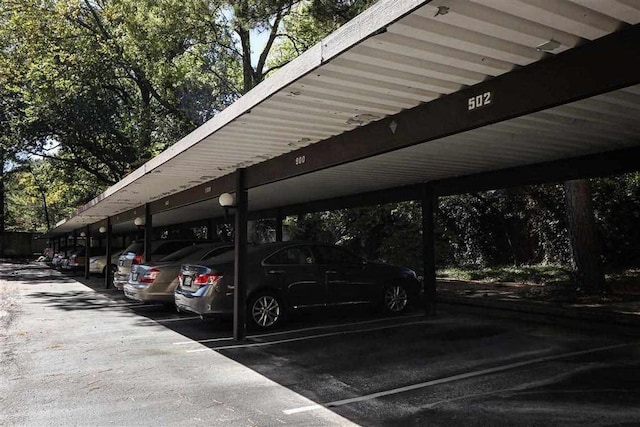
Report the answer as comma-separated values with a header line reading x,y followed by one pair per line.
x,y
74,354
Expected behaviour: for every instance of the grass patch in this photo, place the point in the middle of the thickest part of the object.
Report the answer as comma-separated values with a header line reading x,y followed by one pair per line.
x,y
625,282
547,282
526,274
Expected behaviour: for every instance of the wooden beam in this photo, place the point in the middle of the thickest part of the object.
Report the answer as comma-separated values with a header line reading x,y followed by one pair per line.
x,y
591,166
601,66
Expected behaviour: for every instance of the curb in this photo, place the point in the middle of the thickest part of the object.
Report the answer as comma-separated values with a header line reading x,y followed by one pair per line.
x,y
580,317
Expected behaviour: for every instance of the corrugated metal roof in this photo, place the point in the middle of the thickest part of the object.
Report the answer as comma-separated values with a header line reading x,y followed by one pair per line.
x,y
393,57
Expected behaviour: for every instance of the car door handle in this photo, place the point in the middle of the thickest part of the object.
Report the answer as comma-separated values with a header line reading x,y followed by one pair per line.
x,y
275,271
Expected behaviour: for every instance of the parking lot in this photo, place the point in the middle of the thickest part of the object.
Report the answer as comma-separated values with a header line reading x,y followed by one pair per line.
x,y
73,354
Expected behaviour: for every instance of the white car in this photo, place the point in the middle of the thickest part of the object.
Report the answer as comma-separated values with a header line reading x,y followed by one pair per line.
x,y
98,264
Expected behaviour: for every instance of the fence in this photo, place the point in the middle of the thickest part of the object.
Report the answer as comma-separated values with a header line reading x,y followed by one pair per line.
x,y
21,244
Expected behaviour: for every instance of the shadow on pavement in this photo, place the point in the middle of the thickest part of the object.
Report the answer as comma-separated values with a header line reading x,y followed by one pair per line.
x,y
332,355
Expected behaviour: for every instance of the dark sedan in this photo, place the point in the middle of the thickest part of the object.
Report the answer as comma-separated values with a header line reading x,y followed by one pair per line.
x,y
286,276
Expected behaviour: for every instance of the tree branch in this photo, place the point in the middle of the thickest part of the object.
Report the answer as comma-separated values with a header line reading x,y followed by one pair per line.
x,y
77,162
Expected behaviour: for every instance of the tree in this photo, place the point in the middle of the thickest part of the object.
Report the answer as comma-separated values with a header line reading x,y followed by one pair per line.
x,y
583,235
109,84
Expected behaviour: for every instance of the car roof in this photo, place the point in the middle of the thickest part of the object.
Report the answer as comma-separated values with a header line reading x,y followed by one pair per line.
x,y
260,250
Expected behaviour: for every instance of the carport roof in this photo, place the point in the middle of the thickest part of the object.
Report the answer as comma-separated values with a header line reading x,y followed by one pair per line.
x,y
350,99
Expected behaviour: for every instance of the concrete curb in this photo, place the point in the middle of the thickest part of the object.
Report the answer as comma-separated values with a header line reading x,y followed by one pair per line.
x,y
587,317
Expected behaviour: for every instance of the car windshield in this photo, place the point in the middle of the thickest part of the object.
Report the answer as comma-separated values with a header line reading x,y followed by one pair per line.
x,y
181,253
135,247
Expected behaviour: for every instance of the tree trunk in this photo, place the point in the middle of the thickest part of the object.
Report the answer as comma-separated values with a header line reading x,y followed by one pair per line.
x,y
583,236
46,208
2,220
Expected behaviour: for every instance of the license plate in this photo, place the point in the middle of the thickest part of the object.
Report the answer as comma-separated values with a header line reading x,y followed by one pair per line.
x,y
134,276
187,281
131,295
120,262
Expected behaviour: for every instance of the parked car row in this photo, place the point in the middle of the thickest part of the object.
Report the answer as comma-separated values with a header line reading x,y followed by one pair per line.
x,y
288,276
157,281
73,259
282,277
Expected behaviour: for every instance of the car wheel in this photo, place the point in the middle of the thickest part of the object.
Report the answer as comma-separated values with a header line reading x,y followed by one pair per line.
x,y
395,299
266,310
114,269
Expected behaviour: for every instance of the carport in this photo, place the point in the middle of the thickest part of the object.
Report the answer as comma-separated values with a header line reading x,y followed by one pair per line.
x,y
409,101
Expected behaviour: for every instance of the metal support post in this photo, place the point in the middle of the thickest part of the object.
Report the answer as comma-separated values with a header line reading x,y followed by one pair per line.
x,y
428,203
107,272
240,295
279,220
87,246
148,226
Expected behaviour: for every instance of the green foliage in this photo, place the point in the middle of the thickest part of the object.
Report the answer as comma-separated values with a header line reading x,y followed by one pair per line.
x,y
519,227
616,203
532,274
112,83
39,189
309,22
389,233
102,86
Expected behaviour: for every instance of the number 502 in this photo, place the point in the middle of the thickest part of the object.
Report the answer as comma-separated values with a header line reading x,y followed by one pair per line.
x,y
478,101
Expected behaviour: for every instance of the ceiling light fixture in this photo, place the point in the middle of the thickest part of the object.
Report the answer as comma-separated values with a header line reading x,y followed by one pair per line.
x,y
442,10
549,46
362,119
226,200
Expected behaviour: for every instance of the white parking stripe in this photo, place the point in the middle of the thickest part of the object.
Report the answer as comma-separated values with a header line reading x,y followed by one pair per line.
x,y
131,304
292,331
453,378
172,319
308,337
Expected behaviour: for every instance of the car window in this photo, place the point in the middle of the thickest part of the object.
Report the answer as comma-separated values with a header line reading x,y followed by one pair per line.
x,y
180,253
291,256
96,251
335,255
135,247
217,251
170,247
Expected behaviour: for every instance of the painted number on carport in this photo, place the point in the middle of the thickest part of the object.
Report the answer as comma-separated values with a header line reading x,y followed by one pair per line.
x,y
479,101
300,160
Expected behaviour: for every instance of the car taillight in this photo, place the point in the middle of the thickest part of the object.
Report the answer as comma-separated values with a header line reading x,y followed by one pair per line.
x,y
206,279
137,259
150,276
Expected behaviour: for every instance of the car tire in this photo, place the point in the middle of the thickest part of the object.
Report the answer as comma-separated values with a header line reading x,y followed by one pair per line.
x,y
265,311
114,268
395,298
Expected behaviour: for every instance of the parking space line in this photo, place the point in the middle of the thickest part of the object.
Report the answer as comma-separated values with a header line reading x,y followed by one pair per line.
x,y
314,328
338,325
453,378
209,340
172,319
308,337
131,304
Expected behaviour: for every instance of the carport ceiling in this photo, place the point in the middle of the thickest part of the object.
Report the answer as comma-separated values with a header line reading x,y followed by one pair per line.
x,y
396,56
